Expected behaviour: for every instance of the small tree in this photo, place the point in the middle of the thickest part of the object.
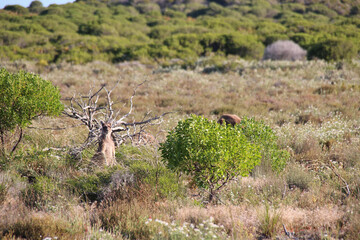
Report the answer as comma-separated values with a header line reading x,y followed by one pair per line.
x,y
23,97
212,154
36,7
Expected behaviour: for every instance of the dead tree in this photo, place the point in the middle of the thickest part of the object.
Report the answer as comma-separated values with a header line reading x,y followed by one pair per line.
x,y
115,130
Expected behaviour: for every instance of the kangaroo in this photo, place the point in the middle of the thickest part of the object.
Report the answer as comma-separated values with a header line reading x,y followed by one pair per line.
x,y
229,119
106,151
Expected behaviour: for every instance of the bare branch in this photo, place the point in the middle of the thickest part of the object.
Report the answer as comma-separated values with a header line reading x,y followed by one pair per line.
x,y
148,120
57,128
333,168
18,141
131,104
97,93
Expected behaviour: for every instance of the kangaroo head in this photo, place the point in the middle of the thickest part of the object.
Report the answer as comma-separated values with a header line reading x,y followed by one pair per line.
x,y
106,127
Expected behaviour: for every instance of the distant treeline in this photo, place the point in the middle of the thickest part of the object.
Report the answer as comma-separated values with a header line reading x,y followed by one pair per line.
x,y
161,30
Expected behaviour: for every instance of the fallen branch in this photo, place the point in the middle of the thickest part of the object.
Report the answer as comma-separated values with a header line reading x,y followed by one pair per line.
x,y
57,128
287,233
333,168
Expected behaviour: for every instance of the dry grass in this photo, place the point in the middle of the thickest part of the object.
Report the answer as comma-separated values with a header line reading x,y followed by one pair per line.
x,y
312,106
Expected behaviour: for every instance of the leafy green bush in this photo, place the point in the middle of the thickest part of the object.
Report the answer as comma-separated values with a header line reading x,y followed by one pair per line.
x,y
36,7
16,9
183,29
25,96
163,181
245,46
259,133
322,9
89,186
212,154
91,28
334,49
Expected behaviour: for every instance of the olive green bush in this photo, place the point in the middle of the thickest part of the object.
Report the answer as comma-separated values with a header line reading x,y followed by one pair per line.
x,y
334,49
210,156
16,9
174,29
214,154
25,96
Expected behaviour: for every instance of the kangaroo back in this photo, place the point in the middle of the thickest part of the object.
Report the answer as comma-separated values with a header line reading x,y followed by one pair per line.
x,y
229,119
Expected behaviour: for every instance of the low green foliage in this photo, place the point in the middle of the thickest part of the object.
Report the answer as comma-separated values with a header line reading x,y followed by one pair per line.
x,y
41,192
89,186
23,97
150,171
212,154
185,28
259,133
334,49
297,177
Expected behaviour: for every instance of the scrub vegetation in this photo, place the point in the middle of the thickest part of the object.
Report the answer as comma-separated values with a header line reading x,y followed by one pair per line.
x,y
289,169
159,31
308,109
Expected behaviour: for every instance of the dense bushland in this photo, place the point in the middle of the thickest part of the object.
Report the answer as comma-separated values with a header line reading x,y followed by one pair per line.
x,y
158,31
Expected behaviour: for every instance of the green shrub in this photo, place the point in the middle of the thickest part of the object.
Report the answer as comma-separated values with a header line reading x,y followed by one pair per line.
x,y
295,7
266,28
161,31
297,177
259,133
16,9
36,7
90,186
163,181
91,28
303,39
245,46
269,39
42,191
334,49
25,96
148,8
212,154
9,37
52,10
322,9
